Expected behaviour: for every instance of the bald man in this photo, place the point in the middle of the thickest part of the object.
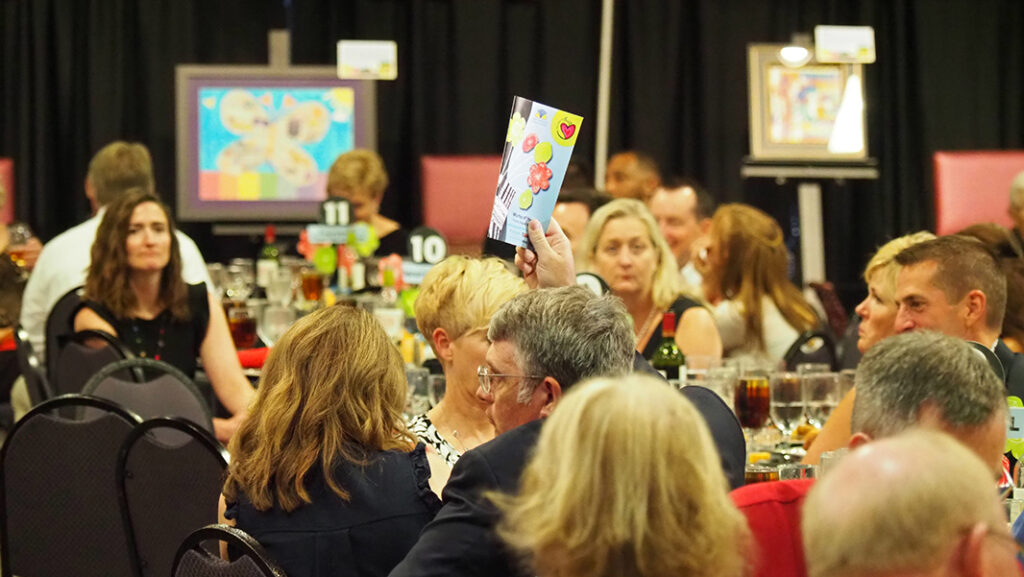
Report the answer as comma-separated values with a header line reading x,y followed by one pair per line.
x,y
919,504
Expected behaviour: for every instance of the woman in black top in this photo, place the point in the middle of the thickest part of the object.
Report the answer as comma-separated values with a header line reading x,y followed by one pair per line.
x,y
134,291
622,244
324,474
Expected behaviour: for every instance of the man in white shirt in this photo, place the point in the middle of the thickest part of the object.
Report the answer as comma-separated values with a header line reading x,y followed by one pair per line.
x,y
64,261
683,211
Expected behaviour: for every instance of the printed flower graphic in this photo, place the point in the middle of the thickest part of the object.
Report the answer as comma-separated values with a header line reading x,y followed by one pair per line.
x,y
516,127
529,142
540,174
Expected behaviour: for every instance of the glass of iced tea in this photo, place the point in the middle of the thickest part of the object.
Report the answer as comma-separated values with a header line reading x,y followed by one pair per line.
x,y
312,285
242,323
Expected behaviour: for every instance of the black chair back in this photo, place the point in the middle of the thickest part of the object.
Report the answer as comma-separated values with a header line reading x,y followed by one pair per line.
x,y
248,557
60,321
81,355
31,368
59,505
154,389
814,346
170,485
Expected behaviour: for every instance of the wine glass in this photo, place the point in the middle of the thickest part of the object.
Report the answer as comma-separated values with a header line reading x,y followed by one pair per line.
x,y
787,403
821,396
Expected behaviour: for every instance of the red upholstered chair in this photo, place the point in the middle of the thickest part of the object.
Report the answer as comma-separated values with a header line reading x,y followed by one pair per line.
x,y
7,182
458,193
973,186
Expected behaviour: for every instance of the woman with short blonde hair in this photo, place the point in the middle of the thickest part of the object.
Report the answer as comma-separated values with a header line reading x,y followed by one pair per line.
x,y
325,460
877,314
625,481
623,245
457,299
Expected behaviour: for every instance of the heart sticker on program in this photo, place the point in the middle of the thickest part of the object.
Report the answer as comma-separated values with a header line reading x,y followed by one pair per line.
x,y
565,128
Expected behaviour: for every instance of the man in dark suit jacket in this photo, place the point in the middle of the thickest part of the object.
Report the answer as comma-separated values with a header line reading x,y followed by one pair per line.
x,y
542,342
955,286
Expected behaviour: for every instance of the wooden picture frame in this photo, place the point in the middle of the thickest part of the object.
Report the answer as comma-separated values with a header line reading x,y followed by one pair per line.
x,y
811,112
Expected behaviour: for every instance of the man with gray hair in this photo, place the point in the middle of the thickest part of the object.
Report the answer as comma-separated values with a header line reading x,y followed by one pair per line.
x,y
546,357
917,504
542,343
929,379
922,378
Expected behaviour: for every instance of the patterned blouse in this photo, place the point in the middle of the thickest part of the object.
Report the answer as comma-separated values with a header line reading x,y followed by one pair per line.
x,y
428,434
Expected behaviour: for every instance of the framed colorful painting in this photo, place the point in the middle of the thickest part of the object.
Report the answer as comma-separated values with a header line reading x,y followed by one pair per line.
x,y
813,111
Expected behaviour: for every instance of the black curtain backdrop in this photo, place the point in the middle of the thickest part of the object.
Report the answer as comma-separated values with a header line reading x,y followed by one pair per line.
x,y
75,74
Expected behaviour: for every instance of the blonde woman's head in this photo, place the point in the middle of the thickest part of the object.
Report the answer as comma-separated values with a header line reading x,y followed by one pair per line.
x,y
623,244
625,480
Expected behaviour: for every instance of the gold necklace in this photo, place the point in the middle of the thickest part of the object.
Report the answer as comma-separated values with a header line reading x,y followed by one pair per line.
x,y
646,328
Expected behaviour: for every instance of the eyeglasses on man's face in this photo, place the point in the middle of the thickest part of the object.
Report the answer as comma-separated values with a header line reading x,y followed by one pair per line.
x,y
487,378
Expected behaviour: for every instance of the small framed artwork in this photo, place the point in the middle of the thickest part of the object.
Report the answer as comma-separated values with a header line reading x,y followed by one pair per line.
x,y
801,109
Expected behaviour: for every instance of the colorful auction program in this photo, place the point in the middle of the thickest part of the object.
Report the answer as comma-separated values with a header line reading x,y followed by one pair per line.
x,y
538,146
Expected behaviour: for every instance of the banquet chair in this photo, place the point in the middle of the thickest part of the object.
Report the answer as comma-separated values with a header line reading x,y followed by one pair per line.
x,y
59,506
249,559
151,388
458,195
973,186
31,368
60,321
813,346
81,355
170,474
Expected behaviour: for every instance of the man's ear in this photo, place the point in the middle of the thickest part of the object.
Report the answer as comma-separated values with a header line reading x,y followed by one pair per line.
x,y
442,344
976,304
972,551
859,438
552,392
705,226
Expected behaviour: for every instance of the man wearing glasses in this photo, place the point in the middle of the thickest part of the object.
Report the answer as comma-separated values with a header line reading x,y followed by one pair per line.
x,y
542,342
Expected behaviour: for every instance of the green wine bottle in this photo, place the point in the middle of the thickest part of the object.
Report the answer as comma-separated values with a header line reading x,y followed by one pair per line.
x,y
267,263
668,359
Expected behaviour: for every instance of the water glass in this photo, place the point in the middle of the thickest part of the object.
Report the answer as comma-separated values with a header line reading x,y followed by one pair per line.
x,y
821,396
418,400
275,321
829,459
846,380
435,389
218,278
791,471
279,287
787,403
239,282
722,381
